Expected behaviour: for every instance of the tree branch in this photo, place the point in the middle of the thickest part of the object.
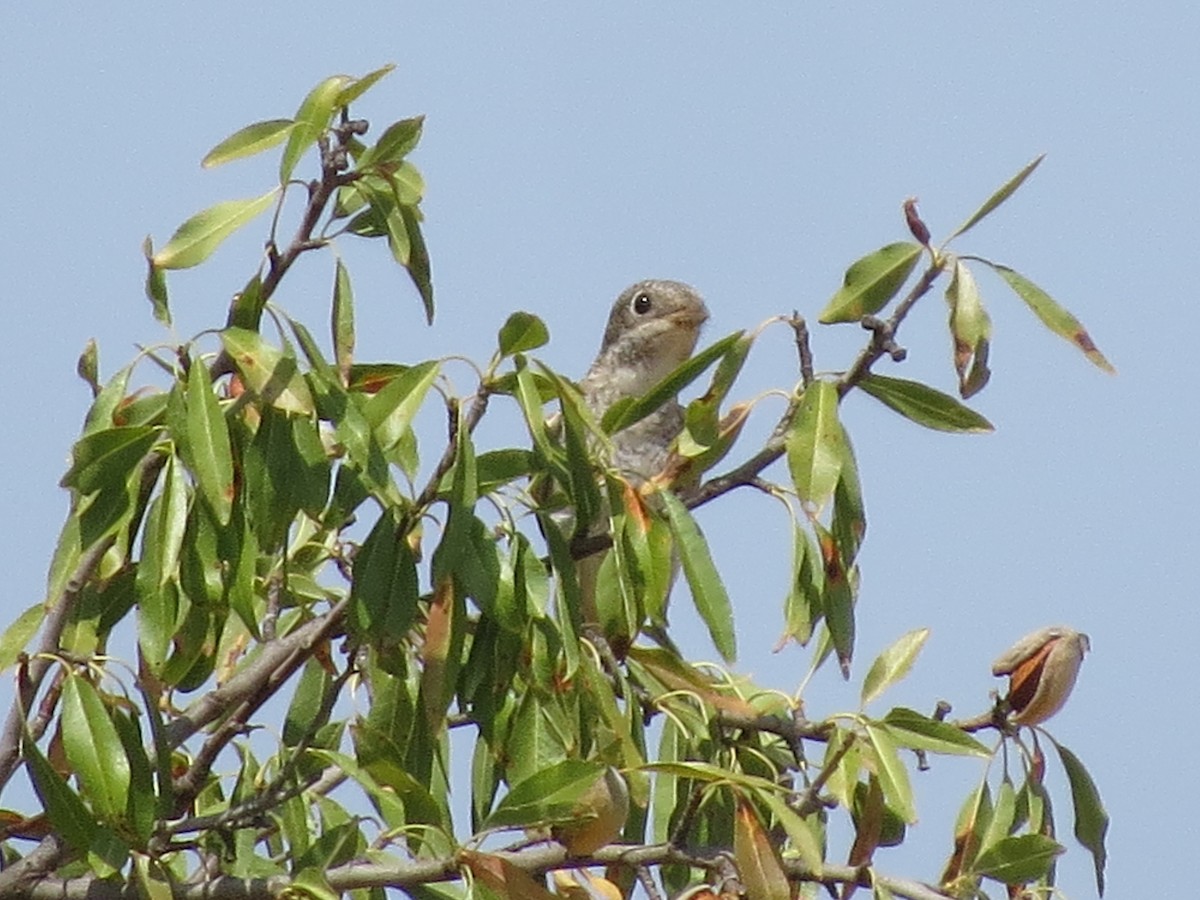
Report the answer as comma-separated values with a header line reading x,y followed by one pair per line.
x,y
536,860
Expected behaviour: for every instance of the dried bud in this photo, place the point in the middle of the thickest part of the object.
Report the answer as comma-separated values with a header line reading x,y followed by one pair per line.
x,y
1042,668
915,225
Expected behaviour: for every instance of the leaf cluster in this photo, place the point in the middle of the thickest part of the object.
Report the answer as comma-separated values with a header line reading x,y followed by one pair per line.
x,y
271,534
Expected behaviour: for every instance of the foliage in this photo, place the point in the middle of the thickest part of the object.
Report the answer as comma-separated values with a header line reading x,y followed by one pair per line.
x,y
263,534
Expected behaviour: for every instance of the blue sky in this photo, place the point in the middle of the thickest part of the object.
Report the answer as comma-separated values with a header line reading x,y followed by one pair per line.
x,y
753,153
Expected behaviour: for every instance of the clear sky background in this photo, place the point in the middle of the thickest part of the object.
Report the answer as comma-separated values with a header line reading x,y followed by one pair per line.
x,y
753,151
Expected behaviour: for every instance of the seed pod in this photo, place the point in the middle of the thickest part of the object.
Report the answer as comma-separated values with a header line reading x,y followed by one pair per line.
x,y
1042,668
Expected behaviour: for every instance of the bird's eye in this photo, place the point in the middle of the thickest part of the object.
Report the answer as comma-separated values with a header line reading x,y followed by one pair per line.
x,y
641,304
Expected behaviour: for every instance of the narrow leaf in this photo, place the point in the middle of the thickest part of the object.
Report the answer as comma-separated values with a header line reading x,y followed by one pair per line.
x,y
893,664
1006,191
342,323
704,581
94,748
911,729
626,412
196,239
208,442
871,282
312,118
360,86
1091,819
70,815
1053,316
758,862
248,141
893,776
925,405
815,445
156,284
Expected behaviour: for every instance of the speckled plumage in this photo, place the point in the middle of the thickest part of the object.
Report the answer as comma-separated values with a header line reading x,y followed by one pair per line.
x,y
652,329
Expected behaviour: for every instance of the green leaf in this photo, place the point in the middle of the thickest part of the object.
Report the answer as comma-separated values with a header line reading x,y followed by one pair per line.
x,y
546,797
385,591
248,141
268,371
803,607
925,405
803,837
245,311
196,239
1055,317
208,442
94,748
871,282
1003,813
360,86
418,259
156,284
342,323
1091,819
171,519
1018,860
522,332
911,729
396,142
970,329
19,633
1008,189
70,815
893,776
390,412
108,457
312,118
627,411
816,447
893,664
704,581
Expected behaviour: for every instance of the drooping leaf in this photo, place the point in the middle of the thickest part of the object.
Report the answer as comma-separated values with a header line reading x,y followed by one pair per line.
x,y
196,239
704,581
94,748
70,815
211,458
757,857
925,405
1005,191
391,411
838,600
156,284
892,774
342,324
803,607
893,664
248,141
1055,317
871,282
816,445
970,329
312,118
1091,819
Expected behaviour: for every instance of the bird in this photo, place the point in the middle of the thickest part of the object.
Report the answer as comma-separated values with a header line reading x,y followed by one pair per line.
x,y
652,329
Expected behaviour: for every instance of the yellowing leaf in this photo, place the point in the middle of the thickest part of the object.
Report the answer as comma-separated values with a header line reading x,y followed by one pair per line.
x,y
757,859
